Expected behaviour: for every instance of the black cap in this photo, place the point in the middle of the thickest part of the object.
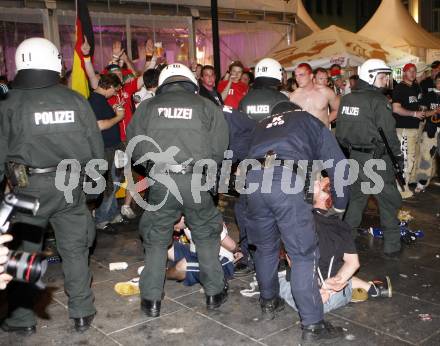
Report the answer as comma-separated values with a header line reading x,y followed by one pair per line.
x,y
435,64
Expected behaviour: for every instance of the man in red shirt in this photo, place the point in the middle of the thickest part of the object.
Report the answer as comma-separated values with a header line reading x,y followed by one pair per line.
x,y
231,88
123,97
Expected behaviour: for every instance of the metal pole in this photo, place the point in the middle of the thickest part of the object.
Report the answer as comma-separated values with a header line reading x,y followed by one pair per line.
x,y
128,36
192,40
215,38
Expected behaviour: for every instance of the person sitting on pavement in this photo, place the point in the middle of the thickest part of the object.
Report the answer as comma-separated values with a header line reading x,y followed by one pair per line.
x,y
338,261
184,257
185,265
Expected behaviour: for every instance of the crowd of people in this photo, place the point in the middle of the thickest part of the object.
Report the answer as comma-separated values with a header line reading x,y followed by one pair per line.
x,y
260,114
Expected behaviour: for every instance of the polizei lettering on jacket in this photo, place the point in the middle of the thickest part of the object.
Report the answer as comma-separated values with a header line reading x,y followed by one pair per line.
x,y
350,110
55,117
257,109
176,113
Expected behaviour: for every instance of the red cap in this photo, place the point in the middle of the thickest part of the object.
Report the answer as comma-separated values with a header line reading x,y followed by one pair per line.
x,y
408,66
335,72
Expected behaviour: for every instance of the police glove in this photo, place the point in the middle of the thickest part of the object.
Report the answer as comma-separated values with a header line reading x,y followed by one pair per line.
x,y
339,213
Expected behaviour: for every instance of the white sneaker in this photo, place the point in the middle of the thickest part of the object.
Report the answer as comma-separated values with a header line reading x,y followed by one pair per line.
x,y
419,188
127,212
117,219
102,225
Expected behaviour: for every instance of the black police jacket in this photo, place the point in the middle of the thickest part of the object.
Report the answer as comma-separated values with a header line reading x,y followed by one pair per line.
x,y
40,127
360,115
240,132
298,135
258,102
178,119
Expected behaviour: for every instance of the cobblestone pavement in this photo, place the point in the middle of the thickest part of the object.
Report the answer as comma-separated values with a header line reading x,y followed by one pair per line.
x,y
185,321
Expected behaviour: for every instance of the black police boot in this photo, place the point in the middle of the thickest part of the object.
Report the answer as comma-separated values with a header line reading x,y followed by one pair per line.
x,y
270,306
151,307
23,331
83,323
321,331
217,300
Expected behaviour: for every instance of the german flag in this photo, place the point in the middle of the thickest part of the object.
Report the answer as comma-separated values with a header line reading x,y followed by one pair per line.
x,y
84,28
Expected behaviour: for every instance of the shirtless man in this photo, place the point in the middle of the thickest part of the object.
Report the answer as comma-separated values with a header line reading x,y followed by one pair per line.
x,y
312,98
320,77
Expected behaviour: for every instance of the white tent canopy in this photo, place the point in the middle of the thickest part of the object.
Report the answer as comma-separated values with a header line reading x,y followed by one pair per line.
x,y
395,27
304,17
337,45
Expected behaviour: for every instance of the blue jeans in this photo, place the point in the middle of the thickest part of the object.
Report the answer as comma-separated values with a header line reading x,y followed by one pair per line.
x,y
108,209
336,300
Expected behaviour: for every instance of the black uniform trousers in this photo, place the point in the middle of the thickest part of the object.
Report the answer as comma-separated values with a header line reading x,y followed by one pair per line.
x,y
74,232
389,200
156,229
276,216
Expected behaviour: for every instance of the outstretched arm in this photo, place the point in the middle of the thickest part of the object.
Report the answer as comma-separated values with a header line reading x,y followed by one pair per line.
x,y
90,71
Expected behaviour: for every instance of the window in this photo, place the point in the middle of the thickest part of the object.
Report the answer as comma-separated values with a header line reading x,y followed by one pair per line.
x,y
339,8
436,20
319,6
330,7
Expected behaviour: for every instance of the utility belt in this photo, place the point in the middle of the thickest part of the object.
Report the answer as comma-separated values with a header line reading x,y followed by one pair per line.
x,y
18,173
158,168
378,151
269,161
363,150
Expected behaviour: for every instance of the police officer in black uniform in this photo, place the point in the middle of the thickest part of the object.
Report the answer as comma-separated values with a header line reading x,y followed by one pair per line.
x,y
283,144
264,92
257,105
42,123
360,115
187,127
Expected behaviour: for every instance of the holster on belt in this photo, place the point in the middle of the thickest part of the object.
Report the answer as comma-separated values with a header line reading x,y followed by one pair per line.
x,y
17,174
379,151
346,149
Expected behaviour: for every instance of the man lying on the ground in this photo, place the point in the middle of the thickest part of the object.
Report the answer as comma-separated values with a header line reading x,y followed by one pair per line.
x,y
338,260
185,264
184,257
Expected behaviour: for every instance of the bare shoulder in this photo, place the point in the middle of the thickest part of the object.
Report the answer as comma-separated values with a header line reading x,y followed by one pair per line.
x,y
296,94
326,91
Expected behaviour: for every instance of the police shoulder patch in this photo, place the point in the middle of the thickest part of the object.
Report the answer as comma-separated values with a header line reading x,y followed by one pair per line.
x,y
276,121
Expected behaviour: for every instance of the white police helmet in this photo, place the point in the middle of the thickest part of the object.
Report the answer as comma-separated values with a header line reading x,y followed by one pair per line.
x,y
269,68
37,53
176,73
371,68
